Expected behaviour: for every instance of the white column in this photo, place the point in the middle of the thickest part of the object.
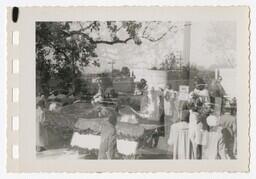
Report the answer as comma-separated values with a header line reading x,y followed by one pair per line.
x,y
186,42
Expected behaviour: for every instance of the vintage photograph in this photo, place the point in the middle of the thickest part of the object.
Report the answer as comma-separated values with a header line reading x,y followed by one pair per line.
x,y
136,90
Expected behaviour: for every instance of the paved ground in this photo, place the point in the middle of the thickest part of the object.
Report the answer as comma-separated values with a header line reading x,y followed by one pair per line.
x,y
63,153
160,152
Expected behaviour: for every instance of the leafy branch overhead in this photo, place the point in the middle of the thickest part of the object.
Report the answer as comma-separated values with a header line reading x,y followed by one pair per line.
x,y
135,31
64,48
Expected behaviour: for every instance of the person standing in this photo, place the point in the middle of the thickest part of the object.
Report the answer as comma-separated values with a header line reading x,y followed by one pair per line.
x,y
217,94
41,133
201,91
143,85
228,129
198,128
193,127
108,145
150,107
222,134
169,97
99,96
161,112
212,149
169,107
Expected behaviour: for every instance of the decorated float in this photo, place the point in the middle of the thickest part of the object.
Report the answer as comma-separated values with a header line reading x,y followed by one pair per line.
x,y
81,124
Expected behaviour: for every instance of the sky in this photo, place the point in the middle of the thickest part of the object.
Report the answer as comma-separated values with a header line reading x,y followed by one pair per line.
x,y
212,44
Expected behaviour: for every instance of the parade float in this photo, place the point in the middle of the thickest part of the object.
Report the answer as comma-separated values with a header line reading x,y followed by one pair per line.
x,y
81,122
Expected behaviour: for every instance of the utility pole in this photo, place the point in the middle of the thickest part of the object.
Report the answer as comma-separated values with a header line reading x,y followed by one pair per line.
x,y
187,42
187,46
112,67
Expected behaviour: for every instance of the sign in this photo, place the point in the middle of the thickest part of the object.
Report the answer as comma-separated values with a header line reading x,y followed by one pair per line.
x,y
183,92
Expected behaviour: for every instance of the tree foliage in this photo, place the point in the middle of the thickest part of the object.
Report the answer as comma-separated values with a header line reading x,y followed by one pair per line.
x,y
170,62
64,48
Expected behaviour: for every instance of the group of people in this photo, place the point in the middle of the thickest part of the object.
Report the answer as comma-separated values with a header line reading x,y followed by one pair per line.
x,y
205,128
201,127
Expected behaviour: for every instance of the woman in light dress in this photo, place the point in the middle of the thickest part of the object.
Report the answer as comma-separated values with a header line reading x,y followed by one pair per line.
x,y
169,98
170,110
151,104
41,133
197,126
212,147
193,132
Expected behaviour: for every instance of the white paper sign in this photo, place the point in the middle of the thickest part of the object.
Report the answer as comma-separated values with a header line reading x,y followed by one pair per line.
x,y
183,92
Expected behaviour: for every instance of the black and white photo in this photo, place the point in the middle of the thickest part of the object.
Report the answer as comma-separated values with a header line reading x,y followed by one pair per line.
x,y
136,90
128,89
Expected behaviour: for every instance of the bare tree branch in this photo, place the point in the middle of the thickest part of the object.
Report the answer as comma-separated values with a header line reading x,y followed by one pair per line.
x,y
160,37
97,41
144,35
119,28
112,42
145,29
85,28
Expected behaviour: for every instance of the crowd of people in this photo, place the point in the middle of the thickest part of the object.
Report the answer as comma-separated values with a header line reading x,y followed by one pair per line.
x,y
206,124
201,127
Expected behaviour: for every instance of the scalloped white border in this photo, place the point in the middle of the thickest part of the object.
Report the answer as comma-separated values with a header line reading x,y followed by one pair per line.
x,y
28,163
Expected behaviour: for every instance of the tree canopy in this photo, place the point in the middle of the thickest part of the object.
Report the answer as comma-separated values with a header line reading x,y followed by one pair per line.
x,y
64,48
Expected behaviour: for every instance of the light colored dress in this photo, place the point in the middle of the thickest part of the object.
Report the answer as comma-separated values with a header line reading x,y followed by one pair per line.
x,y
98,97
192,132
200,134
211,149
40,133
150,107
197,135
169,97
108,145
179,140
